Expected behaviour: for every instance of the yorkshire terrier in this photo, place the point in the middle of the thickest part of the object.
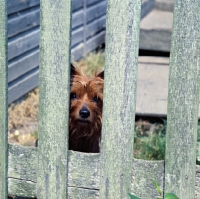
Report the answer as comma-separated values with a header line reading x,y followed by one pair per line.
x,y
86,103
85,117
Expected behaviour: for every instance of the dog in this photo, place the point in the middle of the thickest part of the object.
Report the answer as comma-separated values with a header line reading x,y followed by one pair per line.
x,y
85,116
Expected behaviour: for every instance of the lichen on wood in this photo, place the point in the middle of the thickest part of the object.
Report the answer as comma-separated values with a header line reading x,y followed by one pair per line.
x,y
3,100
83,175
183,100
54,93
122,42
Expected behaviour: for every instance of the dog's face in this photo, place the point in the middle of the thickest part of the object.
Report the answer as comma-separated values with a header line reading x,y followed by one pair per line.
x,y
86,101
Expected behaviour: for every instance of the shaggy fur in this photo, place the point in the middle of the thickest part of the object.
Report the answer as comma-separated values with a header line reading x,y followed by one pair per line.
x,y
86,102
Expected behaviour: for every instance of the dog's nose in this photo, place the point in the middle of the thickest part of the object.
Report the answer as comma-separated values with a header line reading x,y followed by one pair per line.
x,y
84,113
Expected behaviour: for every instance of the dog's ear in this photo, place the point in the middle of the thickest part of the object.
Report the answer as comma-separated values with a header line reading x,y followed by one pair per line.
x,y
101,74
73,71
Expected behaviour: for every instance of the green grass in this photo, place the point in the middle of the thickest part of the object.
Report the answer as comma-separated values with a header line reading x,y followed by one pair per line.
x,y
149,143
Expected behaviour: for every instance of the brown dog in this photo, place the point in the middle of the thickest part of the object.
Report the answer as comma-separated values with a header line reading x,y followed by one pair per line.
x,y
85,119
86,102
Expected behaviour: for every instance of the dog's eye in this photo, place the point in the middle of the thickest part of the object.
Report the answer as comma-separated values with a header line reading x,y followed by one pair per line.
x,y
95,99
73,96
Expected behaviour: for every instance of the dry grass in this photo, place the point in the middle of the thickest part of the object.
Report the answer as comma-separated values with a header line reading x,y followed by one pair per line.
x,y
22,117
22,120
91,64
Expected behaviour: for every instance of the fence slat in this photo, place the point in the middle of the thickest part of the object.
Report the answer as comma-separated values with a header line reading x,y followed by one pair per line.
x,y
122,38
53,100
183,100
3,102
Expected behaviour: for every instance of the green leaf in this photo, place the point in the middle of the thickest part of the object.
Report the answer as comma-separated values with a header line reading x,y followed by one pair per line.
x,y
170,196
157,187
133,197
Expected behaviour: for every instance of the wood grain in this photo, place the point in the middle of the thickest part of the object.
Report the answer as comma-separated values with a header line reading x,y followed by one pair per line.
x,y
122,43
24,21
18,5
183,100
54,91
84,175
22,85
3,101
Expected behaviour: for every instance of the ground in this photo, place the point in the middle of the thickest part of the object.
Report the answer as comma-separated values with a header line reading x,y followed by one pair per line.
x,y
23,119
23,115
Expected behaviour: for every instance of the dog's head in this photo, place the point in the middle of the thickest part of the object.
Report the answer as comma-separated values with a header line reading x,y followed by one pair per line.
x,y
86,102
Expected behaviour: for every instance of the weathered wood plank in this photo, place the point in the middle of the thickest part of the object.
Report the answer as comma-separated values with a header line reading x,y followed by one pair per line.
x,y
31,19
77,52
77,4
54,99
18,5
23,43
77,36
81,193
3,101
20,187
23,177
84,174
183,100
152,86
147,7
96,11
156,35
77,19
79,178
95,27
165,5
23,64
22,85
142,179
21,161
91,2
95,41
25,21
122,43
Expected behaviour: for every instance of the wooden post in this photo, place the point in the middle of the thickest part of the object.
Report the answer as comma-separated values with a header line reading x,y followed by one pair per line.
x,y
122,42
183,100
54,99
3,102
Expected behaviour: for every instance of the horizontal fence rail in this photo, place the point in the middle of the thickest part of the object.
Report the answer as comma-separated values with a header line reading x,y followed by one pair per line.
x,y
3,101
83,174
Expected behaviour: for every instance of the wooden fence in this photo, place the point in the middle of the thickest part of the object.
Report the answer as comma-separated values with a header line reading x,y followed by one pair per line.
x,y
51,171
88,32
